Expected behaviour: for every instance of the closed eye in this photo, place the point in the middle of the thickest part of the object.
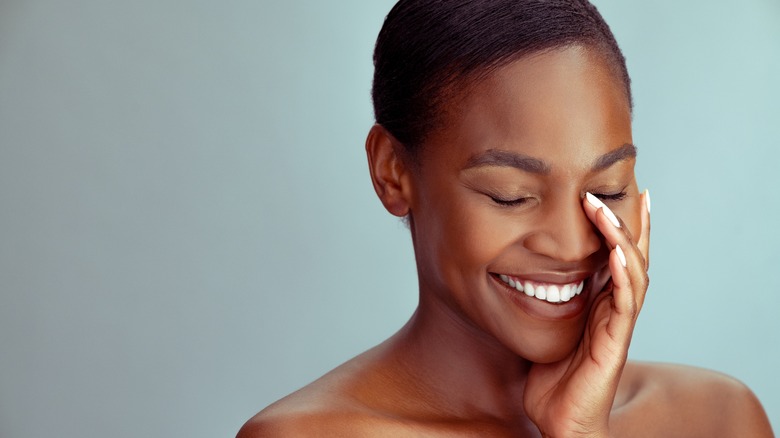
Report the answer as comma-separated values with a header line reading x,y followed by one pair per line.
x,y
611,197
520,201
509,202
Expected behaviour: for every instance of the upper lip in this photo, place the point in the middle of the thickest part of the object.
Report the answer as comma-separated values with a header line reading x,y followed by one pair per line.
x,y
552,277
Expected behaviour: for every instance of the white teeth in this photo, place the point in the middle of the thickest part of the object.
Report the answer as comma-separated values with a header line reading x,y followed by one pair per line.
x,y
566,292
529,289
551,293
541,293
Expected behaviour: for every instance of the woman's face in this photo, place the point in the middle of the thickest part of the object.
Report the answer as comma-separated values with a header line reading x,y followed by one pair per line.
x,y
498,196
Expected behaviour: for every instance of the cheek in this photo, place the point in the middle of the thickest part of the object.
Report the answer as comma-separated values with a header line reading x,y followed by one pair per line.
x,y
474,236
470,235
629,212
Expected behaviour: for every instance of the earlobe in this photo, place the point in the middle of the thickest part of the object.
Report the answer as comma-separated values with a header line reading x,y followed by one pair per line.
x,y
388,171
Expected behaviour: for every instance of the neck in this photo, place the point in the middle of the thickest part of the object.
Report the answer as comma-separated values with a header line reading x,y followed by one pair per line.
x,y
469,372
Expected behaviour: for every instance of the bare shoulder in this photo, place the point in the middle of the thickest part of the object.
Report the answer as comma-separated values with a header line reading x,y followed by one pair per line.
x,y
312,413
317,423
332,406
677,400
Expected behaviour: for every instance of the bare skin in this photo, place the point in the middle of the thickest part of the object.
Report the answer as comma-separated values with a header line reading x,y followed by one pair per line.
x,y
499,192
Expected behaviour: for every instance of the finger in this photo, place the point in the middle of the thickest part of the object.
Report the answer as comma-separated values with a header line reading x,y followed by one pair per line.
x,y
614,315
644,237
643,244
593,207
605,221
625,305
611,227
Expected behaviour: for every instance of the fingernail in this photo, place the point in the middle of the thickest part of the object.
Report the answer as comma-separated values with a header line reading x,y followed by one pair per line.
x,y
647,199
621,256
596,202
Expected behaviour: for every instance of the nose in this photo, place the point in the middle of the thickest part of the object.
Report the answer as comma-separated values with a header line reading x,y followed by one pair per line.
x,y
564,233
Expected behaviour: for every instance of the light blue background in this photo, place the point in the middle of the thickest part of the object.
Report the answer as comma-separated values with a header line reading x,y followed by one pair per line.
x,y
188,231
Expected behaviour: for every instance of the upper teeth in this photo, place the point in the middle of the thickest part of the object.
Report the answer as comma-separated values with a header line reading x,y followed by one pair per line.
x,y
552,293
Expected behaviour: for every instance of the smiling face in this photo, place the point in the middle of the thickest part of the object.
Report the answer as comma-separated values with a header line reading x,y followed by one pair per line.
x,y
496,200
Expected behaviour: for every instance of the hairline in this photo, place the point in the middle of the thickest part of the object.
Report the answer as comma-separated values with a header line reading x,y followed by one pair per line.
x,y
457,88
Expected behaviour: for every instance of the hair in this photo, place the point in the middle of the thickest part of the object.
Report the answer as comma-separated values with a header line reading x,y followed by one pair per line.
x,y
430,50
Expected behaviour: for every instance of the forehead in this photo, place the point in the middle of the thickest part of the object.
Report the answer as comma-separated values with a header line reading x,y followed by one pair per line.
x,y
564,105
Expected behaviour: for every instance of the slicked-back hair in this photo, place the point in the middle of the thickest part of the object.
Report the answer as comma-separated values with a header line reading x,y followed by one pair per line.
x,y
429,50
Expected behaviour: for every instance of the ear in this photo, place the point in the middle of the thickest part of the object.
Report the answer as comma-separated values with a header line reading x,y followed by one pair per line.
x,y
389,172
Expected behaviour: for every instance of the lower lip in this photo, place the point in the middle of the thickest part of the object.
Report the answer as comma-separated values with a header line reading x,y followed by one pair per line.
x,y
543,309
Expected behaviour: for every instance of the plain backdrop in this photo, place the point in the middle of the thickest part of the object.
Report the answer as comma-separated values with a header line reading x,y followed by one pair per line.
x,y
188,231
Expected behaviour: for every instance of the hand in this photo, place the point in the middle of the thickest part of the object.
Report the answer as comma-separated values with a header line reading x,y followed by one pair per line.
x,y
574,397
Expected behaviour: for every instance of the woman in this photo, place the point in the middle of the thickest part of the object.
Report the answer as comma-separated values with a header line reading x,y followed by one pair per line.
x,y
503,136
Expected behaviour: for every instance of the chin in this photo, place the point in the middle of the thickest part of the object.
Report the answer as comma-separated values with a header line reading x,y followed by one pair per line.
x,y
537,330
552,355
552,347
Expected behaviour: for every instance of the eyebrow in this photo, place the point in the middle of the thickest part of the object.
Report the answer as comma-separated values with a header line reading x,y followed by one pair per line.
x,y
625,152
495,157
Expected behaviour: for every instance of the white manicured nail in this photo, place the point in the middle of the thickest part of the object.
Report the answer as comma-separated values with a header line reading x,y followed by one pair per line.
x,y
647,199
596,202
621,256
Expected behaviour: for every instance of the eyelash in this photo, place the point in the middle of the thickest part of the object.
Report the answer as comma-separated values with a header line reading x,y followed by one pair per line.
x,y
613,197
509,203
519,201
